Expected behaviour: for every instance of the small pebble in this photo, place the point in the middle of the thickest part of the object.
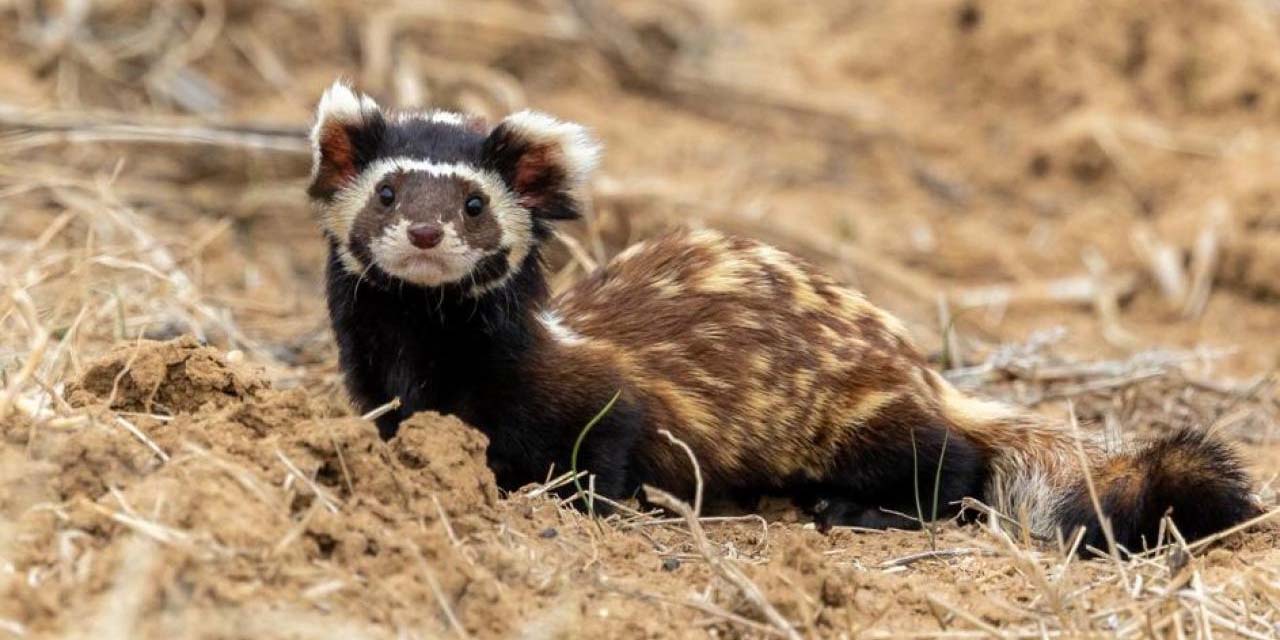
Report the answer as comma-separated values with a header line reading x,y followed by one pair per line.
x,y
670,564
549,533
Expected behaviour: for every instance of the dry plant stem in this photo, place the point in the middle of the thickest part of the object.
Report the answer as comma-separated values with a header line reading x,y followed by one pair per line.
x,y
697,470
39,344
160,262
383,410
940,554
444,523
319,492
579,252
555,483
1095,386
721,565
43,128
1204,259
342,462
440,597
1164,261
950,339
142,437
1080,290
154,530
1036,572
1106,304
705,607
1226,533
1087,470
967,617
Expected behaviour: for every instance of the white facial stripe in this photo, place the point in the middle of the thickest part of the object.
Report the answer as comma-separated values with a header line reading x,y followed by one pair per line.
x,y
515,222
351,199
349,261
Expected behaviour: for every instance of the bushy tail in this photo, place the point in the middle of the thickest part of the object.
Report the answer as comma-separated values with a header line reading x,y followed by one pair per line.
x,y
1035,476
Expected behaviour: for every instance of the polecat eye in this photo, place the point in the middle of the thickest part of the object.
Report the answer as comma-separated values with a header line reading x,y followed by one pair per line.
x,y
474,206
386,195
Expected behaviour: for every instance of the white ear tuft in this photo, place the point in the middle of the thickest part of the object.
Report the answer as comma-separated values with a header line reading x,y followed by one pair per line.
x,y
341,103
581,151
349,126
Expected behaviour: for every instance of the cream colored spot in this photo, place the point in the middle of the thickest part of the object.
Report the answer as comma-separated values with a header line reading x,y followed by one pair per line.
x,y
803,382
802,290
829,334
893,324
761,362
689,410
828,360
708,380
630,252
852,304
558,330
671,348
667,287
867,406
727,275
970,412
707,237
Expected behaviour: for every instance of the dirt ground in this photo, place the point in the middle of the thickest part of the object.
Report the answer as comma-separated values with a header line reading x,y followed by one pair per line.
x,y
1075,206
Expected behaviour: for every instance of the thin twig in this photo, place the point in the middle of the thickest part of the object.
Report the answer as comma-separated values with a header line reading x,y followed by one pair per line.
x,y
316,490
383,410
1086,470
721,565
939,554
45,127
142,437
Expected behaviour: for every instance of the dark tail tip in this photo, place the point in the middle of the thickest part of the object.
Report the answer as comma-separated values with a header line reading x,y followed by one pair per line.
x,y
1197,480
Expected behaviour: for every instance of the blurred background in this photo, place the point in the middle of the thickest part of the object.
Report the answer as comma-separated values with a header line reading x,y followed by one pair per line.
x,y
988,169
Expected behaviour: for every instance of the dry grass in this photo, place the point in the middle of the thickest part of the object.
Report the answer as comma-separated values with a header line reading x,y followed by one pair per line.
x,y
133,205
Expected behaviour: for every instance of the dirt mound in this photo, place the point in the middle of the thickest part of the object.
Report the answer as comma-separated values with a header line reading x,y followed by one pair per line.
x,y
243,496
175,376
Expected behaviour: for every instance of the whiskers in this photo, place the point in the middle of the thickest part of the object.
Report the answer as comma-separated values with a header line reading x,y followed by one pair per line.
x,y
355,291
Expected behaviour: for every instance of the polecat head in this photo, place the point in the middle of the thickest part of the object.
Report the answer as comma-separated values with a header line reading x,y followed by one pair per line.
x,y
436,198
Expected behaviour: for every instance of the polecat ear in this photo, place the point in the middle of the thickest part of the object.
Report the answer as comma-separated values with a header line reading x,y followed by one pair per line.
x,y
544,161
349,127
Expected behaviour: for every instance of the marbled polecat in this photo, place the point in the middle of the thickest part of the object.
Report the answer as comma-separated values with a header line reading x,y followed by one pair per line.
x,y
782,381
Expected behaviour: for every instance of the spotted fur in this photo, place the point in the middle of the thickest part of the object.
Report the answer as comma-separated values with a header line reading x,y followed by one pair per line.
x,y
780,380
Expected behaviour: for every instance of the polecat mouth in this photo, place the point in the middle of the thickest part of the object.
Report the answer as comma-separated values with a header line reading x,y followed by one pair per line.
x,y
429,269
421,259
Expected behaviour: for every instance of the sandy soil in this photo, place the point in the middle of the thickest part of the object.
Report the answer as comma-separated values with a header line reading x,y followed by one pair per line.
x,y
176,456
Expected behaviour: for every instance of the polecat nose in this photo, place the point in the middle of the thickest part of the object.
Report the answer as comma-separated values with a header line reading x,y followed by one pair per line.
x,y
425,235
